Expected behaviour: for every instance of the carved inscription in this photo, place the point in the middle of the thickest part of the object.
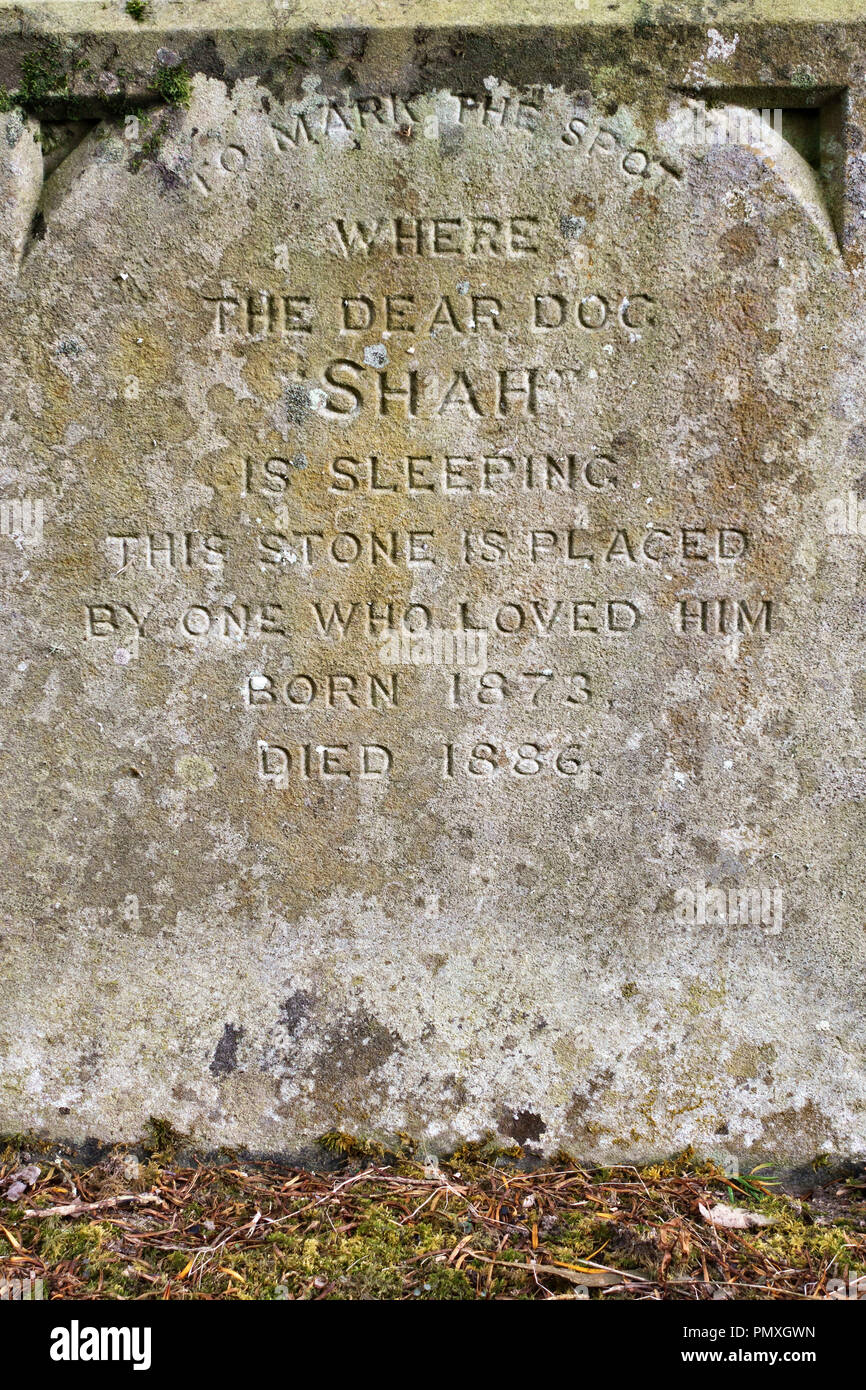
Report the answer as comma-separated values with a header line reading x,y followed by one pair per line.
x,y
438,551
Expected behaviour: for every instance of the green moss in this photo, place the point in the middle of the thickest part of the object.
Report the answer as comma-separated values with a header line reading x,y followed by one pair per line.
x,y
174,85
374,1261
150,148
482,1153
90,1248
348,1147
579,1236
76,1241
681,1164
396,1234
796,1241
42,75
325,42
137,10
162,1141
12,1146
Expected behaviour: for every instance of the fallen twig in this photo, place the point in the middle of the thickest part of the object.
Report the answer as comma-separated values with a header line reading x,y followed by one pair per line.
x,y
105,1204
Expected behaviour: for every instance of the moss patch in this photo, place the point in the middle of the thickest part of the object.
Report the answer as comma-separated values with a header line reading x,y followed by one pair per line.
x,y
43,74
483,1223
174,85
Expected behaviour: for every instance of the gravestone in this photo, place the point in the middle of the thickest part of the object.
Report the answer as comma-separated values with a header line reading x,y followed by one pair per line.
x,y
433,493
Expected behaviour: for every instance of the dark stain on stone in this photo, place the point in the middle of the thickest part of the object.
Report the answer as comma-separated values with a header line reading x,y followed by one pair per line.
x,y
296,1010
334,1047
205,57
451,139
454,1090
355,1046
181,1092
522,1125
296,399
579,1113
89,1062
435,962
739,245
225,1058
787,1132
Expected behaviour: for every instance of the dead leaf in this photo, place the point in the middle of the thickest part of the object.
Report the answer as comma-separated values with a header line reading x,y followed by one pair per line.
x,y
11,1239
733,1218
19,1181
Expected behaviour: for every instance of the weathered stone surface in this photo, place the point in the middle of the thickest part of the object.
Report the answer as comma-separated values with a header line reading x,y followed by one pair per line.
x,y
433,692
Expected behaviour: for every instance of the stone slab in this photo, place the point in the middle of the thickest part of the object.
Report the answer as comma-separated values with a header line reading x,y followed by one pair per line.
x,y
431,457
